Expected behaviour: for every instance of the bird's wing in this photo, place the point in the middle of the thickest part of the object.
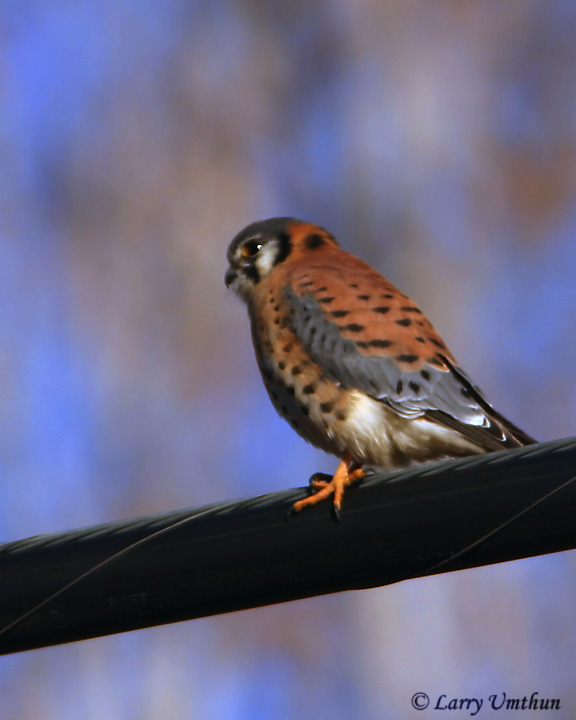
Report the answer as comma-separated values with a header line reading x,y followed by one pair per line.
x,y
392,355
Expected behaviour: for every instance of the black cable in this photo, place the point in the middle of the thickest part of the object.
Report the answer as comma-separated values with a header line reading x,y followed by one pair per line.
x,y
174,566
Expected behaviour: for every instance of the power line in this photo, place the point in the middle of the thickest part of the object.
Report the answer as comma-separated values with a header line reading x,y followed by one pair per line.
x,y
244,554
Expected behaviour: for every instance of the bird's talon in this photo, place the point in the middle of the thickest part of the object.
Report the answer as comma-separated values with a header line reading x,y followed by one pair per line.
x,y
290,514
319,480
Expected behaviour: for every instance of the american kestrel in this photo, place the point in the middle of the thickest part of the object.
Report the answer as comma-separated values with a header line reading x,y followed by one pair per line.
x,y
350,361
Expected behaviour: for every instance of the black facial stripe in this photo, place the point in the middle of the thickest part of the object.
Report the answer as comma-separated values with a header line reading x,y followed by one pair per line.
x,y
252,272
284,247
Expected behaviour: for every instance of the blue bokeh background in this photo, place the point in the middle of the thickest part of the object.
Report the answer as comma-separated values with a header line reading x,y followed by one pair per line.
x,y
438,142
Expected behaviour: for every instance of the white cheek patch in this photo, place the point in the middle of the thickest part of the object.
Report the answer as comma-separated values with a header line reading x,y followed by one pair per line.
x,y
266,258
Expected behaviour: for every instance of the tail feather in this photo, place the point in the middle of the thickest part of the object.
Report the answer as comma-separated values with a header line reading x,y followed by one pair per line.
x,y
498,435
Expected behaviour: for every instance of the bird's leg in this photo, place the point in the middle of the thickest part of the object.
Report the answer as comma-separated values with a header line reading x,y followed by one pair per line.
x,y
347,472
318,481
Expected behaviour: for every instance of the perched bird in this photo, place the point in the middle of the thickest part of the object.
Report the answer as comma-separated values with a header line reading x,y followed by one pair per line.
x,y
350,361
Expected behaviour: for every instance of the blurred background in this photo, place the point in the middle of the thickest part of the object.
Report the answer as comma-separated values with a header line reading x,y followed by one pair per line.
x,y
435,140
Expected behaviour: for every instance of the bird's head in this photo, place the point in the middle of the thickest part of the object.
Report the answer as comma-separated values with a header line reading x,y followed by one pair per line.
x,y
263,245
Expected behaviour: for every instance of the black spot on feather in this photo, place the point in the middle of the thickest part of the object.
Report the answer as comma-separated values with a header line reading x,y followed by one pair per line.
x,y
407,358
314,241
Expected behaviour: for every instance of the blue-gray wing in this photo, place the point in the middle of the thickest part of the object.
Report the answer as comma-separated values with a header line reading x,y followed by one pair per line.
x,y
440,391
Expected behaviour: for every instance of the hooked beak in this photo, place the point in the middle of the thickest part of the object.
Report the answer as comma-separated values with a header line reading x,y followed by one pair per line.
x,y
230,276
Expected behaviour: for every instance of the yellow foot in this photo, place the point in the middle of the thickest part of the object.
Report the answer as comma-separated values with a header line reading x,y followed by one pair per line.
x,y
346,474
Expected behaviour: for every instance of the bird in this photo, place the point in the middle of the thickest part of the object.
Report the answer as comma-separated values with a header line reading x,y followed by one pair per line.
x,y
351,362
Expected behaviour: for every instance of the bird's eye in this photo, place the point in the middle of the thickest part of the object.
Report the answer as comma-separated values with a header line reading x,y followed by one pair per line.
x,y
251,248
